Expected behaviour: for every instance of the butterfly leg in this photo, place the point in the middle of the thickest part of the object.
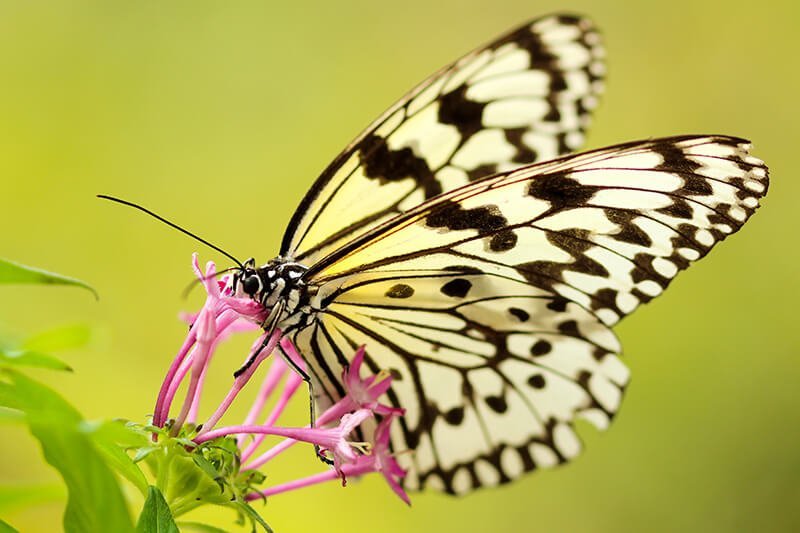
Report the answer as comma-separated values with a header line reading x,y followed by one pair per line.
x,y
311,406
269,327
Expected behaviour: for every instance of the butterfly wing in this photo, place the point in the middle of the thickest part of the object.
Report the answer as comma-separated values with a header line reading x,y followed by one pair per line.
x,y
522,98
490,370
492,303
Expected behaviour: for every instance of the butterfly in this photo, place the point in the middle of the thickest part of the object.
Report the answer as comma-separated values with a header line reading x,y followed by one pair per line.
x,y
484,266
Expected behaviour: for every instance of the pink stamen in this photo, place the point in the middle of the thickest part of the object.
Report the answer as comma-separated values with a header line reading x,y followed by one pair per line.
x,y
293,382
326,417
195,405
222,324
241,381
274,375
270,454
206,333
361,467
328,475
331,439
167,392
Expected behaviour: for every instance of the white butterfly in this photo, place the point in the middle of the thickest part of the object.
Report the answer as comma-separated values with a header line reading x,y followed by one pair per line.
x,y
485,279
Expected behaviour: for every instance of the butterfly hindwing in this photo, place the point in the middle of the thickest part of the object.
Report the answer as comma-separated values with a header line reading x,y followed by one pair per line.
x,y
522,98
491,371
492,303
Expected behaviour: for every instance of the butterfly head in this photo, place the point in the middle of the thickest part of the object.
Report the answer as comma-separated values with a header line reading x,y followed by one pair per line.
x,y
277,279
248,279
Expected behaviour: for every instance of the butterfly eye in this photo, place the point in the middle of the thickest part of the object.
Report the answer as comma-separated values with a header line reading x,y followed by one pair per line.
x,y
251,284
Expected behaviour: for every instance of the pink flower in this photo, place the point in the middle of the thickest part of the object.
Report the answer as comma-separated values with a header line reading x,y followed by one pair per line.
x,y
225,313
362,393
335,440
381,460
211,325
329,439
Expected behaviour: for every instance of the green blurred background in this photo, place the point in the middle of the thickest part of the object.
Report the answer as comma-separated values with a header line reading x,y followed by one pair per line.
x,y
220,115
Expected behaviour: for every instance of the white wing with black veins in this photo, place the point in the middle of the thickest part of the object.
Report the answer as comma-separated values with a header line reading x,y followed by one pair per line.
x,y
492,303
522,98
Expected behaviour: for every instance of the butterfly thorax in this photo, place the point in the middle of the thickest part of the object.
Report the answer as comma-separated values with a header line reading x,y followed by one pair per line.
x,y
279,286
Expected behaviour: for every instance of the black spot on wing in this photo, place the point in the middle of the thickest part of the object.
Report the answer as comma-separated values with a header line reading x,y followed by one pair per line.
x,y
481,171
544,274
696,186
541,348
452,216
401,290
558,304
606,297
497,404
559,190
553,115
385,164
540,56
574,241
519,314
674,159
463,269
525,154
536,381
629,231
569,327
679,208
459,111
503,241
454,416
457,288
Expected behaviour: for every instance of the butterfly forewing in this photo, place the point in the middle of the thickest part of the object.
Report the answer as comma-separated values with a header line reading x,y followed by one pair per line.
x,y
522,98
608,228
491,304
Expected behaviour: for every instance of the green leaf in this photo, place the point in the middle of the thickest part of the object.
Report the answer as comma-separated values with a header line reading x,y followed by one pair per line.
x,y
18,496
11,415
60,338
24,358
142,453
201,528
11,272
32,352
254,517
5,528
156,516
95,501
110,438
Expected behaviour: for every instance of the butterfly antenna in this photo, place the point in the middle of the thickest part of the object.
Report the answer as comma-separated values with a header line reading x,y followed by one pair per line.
x,y
172,225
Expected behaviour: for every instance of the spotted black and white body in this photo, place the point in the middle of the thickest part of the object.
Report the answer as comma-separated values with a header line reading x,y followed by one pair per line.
x,y
278,286
484,267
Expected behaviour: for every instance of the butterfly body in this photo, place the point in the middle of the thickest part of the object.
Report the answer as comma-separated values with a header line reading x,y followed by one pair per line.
x,y
484,265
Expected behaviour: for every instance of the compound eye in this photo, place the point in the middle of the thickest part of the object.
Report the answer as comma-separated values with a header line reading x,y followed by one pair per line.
x,y
251,284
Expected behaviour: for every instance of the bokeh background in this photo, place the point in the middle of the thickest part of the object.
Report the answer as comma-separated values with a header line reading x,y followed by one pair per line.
x,y
220,115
